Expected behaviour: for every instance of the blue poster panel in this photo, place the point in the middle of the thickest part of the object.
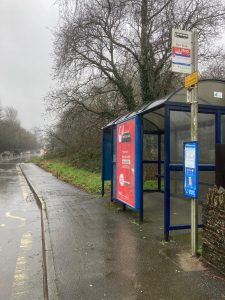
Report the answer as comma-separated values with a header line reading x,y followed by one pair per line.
x,y
107,155
191,169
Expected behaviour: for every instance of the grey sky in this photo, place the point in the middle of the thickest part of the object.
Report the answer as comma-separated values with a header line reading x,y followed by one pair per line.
x,y
25,56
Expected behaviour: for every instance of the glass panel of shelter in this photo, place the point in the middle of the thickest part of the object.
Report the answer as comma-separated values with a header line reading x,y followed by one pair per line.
x,y
153,147
179,133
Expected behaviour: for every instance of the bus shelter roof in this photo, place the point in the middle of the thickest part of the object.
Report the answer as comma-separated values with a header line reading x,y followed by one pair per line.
x,y
211,92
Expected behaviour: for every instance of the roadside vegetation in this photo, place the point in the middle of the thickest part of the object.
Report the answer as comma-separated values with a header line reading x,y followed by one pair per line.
x,y
13,137
151,184
81,178
87,180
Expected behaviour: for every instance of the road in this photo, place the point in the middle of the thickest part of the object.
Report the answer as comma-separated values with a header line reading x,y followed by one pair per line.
x,y
20,243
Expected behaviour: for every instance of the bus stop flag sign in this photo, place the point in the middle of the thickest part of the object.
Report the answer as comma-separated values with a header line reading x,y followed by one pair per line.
x,y
191,169
182,51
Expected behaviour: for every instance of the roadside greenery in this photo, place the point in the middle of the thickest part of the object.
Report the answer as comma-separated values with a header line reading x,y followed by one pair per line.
x,y
84,179
81,178
13,137
151,184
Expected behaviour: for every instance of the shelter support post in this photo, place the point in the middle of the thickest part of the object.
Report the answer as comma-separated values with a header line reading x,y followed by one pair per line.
x,y
167,175
141,187
141,215
103,188
218,128
113,162
159,162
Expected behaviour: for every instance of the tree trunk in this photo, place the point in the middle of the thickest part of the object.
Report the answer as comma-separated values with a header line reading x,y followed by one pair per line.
x,y
146,70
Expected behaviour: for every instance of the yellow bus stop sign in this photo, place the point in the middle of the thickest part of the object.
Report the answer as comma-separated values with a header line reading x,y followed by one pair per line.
x,y
191,79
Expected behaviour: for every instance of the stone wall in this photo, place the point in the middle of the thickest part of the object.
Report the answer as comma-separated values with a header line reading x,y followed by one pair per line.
x,y
213,248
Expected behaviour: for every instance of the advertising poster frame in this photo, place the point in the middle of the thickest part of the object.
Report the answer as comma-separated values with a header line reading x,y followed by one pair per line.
x,y
128,163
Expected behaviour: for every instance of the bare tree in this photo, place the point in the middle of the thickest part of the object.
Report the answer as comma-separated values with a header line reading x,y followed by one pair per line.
x,y
215,68
77,136
12,135
127,43
11,115
102,101
114,55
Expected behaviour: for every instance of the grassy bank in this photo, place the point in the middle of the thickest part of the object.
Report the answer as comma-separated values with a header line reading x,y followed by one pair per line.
x,y
86,180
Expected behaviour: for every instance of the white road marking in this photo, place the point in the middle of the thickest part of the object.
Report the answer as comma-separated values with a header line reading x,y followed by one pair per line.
x,y
8,214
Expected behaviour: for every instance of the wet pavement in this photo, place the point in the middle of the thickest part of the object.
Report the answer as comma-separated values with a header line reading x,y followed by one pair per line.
x,y
20,243
100,252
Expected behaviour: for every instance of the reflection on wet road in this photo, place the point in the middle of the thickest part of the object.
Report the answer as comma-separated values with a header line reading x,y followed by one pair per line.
x,y
20,231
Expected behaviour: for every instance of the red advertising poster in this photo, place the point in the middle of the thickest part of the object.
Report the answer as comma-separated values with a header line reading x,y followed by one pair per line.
x,y
125,162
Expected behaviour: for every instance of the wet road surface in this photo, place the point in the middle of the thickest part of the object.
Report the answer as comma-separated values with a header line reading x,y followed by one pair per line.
x,y
100,252
20,243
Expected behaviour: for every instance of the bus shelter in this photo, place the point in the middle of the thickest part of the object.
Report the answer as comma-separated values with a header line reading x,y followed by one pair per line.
x,y
148,143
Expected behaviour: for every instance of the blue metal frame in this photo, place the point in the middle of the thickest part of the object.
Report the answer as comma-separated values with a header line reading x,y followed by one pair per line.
x,y
218,130
201,167
202,108
138,179
106,157
102,167
159,162
139,165
182,227
113,163
149,161
167,174
174,106
168,167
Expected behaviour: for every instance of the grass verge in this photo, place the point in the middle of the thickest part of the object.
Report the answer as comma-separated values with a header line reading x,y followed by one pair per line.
x,y
86,180
151,184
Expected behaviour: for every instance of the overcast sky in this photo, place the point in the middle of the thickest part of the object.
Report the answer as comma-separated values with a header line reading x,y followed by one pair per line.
x,y
26,56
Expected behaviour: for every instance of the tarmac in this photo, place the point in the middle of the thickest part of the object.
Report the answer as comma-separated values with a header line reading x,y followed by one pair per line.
x,y
21,240
95,250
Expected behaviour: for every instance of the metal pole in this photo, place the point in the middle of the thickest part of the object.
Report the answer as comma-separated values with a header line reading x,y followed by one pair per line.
x,y
159,162
194,137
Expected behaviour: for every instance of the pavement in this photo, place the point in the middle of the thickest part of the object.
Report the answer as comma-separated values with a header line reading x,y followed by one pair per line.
x,y
101,252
